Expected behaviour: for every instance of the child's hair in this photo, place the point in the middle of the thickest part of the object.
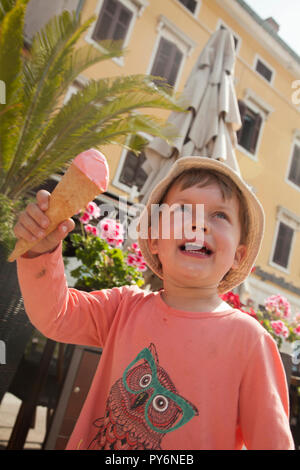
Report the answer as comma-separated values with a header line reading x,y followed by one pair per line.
x,y
202,177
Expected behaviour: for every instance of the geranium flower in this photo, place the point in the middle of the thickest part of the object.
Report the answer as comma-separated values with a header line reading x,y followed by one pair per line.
x,y
136,259
85,218
111,231
232,299
280,329
278,305
297,330
92,230
93,210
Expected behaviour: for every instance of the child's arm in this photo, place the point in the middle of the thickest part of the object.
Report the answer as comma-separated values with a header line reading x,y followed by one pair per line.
x,y
63,314
264,400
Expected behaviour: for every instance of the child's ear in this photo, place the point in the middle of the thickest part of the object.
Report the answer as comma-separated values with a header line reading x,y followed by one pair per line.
x,y
240,254
152,243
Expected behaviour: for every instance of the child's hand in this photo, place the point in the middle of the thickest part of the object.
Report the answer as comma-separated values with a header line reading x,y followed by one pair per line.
x,y
32,222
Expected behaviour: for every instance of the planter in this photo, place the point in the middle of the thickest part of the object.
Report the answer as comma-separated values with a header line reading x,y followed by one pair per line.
x,y
15,327
287,364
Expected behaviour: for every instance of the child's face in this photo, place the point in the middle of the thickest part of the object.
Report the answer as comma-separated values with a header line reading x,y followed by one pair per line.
x,y
221,233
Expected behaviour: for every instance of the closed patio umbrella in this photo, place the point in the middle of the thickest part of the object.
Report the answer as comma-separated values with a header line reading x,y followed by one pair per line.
x,y
209,127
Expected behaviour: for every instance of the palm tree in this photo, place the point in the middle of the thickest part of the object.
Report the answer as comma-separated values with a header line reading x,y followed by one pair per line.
x,y
39,134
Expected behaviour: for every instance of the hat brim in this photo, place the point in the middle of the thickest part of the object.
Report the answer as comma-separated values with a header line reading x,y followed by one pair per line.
x,y
256,219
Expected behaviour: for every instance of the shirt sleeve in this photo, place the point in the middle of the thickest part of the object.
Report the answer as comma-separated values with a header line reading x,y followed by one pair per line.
x,y
264,399
64,314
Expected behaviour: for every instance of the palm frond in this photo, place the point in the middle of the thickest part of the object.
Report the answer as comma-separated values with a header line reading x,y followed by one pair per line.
x,y
100,105
50,48
11,43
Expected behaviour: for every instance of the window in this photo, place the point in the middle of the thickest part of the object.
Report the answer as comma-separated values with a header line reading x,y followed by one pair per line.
x,y
251,124
132,172
288,224
283,245
171,48
236,39
294,171
167,61
113,21
189,4
263,69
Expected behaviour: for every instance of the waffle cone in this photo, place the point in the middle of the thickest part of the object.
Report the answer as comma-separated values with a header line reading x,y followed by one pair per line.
x,y
72,193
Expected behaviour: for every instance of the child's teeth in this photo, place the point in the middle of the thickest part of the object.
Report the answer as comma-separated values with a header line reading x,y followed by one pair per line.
x,y
191,246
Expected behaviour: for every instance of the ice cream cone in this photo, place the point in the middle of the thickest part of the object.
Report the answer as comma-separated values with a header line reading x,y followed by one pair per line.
x,y
74,191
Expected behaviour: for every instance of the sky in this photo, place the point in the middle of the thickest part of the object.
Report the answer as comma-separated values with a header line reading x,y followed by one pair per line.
x,y
286,13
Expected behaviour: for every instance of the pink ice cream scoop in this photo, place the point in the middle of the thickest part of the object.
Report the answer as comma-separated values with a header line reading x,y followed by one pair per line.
x,y
85,179
94,165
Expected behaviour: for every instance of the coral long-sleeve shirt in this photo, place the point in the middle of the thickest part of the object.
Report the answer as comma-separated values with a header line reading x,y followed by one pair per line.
x,y
167,378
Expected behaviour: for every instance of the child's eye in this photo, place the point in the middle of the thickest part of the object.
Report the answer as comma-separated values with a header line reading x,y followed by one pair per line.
x,y
222,215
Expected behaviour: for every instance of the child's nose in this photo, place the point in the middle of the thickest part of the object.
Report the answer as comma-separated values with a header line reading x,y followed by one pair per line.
x,y
204,227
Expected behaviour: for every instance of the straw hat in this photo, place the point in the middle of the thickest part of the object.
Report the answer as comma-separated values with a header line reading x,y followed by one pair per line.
x,y
255,215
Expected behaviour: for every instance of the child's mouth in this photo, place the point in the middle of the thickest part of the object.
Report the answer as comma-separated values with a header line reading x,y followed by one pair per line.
x,y
192,249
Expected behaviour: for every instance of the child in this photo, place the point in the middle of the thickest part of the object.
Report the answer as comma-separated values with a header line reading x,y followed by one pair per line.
x,y
180,368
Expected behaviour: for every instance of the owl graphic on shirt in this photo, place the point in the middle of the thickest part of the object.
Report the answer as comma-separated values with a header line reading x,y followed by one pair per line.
x,y
142,407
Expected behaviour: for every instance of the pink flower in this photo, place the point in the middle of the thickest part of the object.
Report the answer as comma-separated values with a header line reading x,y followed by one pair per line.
x,y
92,230
278,305
142,267
280,329
136,259
297,318
131,260
111,231
85,218
297,330
93,210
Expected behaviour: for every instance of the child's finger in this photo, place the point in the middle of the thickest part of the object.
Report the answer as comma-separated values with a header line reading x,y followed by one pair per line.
x,y
37,215
21,232
42,198
61,231
31,225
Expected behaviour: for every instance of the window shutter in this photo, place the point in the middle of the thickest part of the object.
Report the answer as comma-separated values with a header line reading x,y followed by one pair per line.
x,y
255,133
189,4
243,109
167,61
113,21
122,23
105,23
263,70
294,174
283,245
177,56
132,172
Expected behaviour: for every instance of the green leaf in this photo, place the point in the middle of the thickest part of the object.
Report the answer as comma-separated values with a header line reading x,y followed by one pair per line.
x,y
11,44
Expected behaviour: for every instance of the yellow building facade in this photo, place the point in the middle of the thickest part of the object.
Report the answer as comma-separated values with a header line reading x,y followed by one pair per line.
x,y
167,36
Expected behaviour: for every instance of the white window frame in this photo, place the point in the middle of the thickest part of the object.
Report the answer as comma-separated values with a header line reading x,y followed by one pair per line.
x,y
137,7
116,181
168,30
220,23
291,220
257,105
258,57
296,141
197,9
